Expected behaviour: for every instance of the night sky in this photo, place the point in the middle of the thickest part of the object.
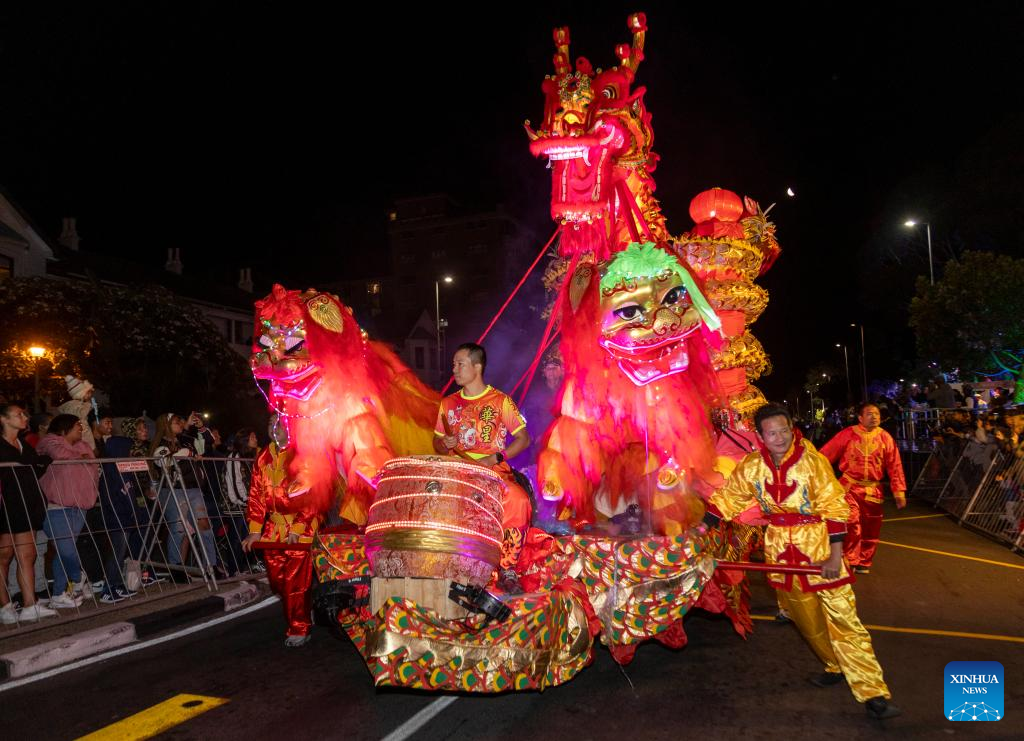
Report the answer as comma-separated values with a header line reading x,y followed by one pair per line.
x,y
247,134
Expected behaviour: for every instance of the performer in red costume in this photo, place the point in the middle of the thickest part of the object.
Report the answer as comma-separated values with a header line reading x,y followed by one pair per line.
x,y
476,423
276,514
865,453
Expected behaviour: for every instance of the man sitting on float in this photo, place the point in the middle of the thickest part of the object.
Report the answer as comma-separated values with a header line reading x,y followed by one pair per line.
x,y
476,423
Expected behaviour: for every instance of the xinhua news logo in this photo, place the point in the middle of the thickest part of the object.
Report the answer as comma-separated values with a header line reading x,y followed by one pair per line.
x,y
974,690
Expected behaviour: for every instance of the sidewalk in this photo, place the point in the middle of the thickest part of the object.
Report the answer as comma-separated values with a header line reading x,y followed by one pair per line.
x,y
93,629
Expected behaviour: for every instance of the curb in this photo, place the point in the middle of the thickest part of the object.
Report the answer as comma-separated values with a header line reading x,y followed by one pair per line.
x,y
52,654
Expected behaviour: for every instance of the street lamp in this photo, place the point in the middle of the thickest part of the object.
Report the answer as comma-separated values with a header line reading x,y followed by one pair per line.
x,y
437,318
910,224
37,353
863,362
846,361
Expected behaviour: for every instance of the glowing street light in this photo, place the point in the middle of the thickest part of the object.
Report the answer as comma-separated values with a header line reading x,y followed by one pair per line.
x,y
863,360
910,224
37,353
790,193
437,316
846,362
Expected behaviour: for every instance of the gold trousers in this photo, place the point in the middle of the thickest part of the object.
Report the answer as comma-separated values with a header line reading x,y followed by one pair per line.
x,y
828,622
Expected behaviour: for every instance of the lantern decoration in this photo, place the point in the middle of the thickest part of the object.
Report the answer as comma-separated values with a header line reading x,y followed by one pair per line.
x,y
717,206
731,245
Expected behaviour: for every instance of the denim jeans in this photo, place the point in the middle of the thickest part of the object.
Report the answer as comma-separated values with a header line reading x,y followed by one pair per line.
x,y
124,532
63,527
188,504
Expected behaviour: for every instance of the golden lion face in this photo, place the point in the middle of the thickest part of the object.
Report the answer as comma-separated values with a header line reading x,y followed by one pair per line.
x,y
284,360
643,324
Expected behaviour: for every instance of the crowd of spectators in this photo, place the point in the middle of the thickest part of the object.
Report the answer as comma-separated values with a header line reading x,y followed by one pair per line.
x,y
74,508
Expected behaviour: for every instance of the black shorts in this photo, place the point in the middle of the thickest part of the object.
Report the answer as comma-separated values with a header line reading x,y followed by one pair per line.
x,y
22,514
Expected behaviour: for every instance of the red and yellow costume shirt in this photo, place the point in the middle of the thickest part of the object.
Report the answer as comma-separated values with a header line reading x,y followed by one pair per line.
x,y
865,456
274,510
805,507
482,423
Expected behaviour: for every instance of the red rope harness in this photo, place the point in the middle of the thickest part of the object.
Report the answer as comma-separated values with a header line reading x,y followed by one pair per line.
x,y
509,299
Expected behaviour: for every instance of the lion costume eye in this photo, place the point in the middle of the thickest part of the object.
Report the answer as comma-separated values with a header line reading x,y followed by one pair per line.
x,y
265,341
629,312
293,344
674,296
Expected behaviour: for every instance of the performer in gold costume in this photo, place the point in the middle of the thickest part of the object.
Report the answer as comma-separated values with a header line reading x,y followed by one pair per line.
x,y
807,512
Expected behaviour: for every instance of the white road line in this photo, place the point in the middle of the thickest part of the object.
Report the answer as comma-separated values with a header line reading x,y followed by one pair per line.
x,y
136,646
421,718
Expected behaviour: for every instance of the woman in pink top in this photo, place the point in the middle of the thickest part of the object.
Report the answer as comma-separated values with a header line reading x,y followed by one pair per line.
x,y
71,489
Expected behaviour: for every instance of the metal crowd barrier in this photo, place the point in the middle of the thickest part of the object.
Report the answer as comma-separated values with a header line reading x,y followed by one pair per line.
x,y
980,484
156,522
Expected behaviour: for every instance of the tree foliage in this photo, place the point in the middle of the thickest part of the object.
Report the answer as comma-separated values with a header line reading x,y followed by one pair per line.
x,y
143,346
973,314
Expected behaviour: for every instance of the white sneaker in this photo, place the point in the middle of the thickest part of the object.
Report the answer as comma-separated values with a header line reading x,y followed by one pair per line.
x,y
35,612
65,601
9,614
83,586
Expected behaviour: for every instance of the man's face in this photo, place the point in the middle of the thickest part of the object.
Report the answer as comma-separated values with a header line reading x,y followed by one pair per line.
x,y
777,434
463,369
870,417
553,375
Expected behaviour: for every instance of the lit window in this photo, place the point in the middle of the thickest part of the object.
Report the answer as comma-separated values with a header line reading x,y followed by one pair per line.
x,y
373,288
6,267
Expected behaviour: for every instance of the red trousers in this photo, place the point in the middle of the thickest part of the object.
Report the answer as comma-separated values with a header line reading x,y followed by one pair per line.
x,y
862,529
290,574
518,514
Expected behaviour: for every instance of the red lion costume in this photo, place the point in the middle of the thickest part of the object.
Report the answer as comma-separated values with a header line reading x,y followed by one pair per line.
x,y
348,403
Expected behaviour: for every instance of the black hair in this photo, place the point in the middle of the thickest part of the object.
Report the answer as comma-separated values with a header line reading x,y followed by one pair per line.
x,y
477,354
38,420
62,424
6,407
865,404
771,410
240,441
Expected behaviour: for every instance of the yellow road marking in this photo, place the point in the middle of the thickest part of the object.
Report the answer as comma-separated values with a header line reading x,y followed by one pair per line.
x,y
926,632
952,555
915,517
157,719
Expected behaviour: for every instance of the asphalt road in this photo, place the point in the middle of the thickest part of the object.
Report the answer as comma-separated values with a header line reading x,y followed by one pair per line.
x,y
718,687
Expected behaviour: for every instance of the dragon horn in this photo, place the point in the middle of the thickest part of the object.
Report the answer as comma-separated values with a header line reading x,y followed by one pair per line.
x,y
631,56
561,59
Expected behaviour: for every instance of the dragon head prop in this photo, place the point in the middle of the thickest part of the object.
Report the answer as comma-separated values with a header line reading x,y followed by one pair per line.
x,y
596,134
650,303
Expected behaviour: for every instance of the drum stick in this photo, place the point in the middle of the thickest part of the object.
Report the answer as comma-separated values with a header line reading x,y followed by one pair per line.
x,y
276,545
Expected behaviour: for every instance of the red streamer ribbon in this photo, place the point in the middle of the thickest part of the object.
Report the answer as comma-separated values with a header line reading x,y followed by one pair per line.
x,y
509,299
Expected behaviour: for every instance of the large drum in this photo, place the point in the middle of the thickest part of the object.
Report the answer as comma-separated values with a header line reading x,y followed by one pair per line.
x,y
434,518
